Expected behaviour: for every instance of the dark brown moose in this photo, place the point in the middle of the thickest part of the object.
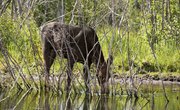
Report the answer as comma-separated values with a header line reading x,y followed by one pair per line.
x,y
76,44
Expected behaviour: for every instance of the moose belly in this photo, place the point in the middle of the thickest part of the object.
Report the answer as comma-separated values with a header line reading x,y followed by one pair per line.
x,y
72,52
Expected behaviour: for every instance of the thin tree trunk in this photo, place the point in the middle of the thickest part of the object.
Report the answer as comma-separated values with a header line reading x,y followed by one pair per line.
x,y
0,4
19,7
45,13
80,14
167,10
148,5
94,20
113,9
113,25
114,32
111,16
162,15
12,9
61,9
169,6
72,13
153,37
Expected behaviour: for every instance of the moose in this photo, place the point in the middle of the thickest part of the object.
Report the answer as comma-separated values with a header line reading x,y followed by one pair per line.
x,y
76,44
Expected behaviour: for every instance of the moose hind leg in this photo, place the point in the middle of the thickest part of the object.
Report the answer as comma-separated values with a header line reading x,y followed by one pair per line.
x,y
49,55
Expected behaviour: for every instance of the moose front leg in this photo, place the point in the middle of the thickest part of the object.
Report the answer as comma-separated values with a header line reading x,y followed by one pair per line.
x,y
105,88
103,83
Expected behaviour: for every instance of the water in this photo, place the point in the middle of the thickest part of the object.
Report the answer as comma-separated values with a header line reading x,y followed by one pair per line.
x,y
148,100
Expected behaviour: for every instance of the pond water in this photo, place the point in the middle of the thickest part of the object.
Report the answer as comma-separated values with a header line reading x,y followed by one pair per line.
x,y
148,100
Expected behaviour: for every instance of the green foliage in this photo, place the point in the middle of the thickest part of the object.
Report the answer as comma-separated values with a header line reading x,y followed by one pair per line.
x,y
45,11
19,41
7,29
73,11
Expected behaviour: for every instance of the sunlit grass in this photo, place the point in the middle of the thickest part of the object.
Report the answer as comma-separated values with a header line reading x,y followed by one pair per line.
x,y
167,55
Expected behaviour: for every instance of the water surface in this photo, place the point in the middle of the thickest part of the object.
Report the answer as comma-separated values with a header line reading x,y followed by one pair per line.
x,y
148,100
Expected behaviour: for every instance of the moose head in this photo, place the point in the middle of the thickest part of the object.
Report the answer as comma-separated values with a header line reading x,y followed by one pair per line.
x,y
103,75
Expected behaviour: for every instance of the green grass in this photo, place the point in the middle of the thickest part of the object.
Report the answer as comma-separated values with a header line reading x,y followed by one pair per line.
x,y
168,55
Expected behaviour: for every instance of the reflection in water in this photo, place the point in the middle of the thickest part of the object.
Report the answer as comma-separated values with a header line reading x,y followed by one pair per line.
x,y
68,105
130,103
103,103
166,106
53,101
87,102
46,104
152,102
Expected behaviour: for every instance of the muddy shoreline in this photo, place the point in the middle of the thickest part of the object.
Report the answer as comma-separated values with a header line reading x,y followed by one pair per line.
x,y
147,79
6,80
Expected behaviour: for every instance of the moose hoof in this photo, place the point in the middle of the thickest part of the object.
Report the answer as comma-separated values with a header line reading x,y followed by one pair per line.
x,y
67,89
104,91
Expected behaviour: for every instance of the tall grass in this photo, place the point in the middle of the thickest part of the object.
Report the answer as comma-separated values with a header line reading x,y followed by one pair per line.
x,y
168,54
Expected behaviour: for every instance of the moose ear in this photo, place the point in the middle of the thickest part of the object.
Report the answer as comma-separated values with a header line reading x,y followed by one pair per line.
x,y
110,60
